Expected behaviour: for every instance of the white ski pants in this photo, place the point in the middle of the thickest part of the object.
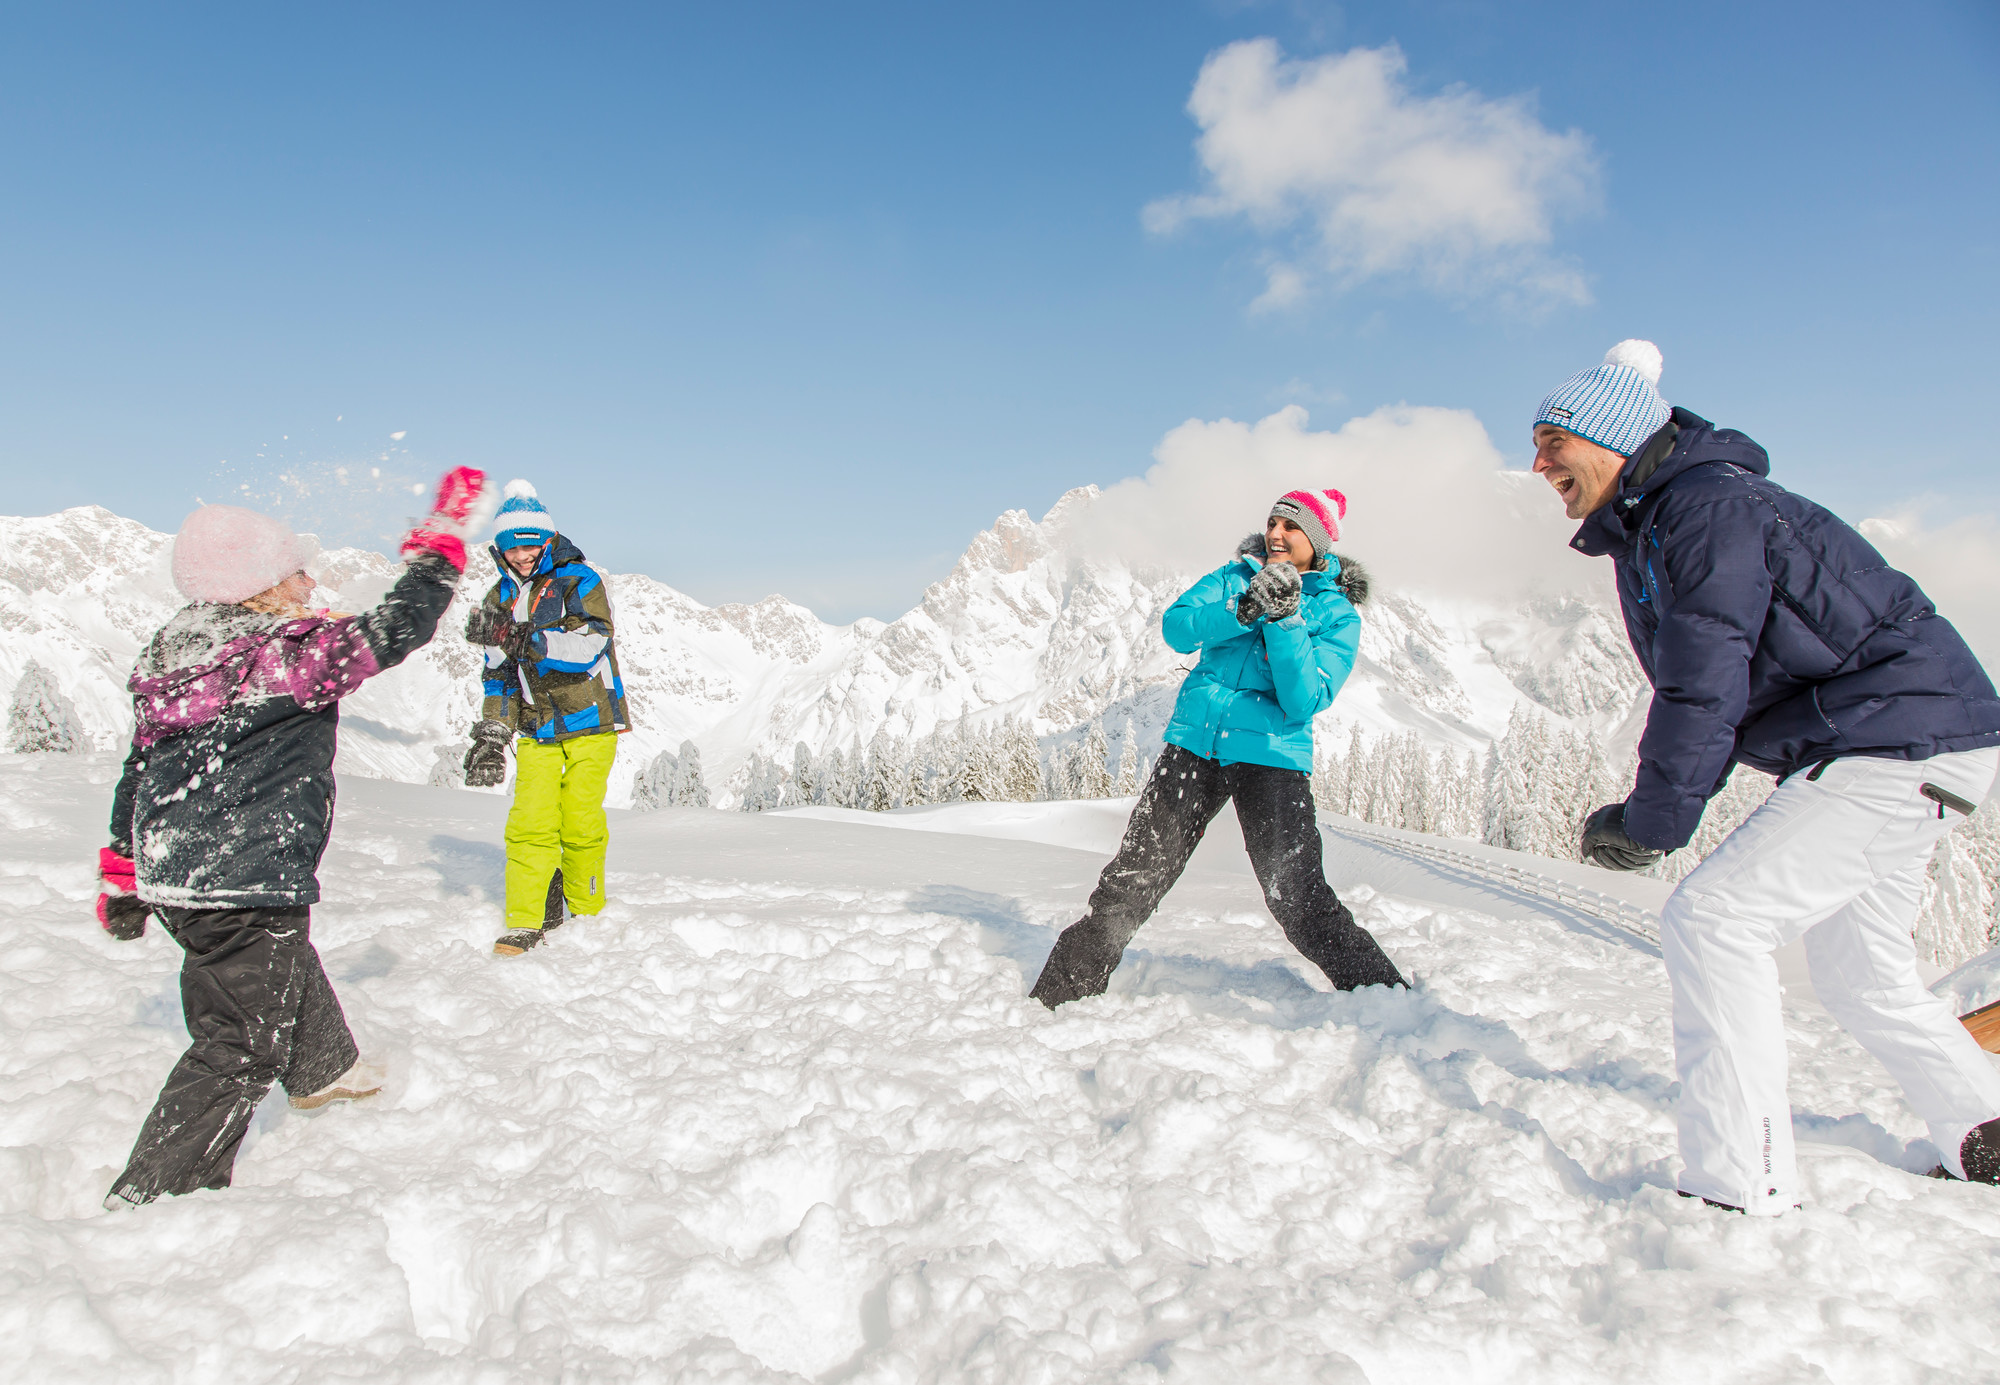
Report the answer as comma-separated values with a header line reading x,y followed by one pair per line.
x,y
1841,861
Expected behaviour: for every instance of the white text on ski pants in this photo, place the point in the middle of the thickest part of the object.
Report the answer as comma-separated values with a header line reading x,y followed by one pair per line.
x,y
1840,860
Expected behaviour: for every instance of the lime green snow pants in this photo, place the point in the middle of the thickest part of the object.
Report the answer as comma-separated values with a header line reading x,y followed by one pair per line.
x,y
557,822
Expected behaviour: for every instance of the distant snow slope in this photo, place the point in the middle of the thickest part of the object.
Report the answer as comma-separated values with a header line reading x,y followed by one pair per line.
x,y
784,1113
1020,625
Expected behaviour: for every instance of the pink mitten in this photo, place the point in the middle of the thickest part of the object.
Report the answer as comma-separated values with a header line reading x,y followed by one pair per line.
x,y
461,502
119,908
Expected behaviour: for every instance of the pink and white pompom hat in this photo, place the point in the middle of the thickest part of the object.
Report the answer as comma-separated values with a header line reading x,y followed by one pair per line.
x,y
224,553
1317,513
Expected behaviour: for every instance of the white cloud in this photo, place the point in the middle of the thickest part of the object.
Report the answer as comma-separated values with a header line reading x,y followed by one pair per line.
x,y
1956,563
1364,179
1431,506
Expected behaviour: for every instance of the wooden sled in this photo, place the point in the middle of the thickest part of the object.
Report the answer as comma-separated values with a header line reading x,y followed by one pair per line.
x,y
1984,1024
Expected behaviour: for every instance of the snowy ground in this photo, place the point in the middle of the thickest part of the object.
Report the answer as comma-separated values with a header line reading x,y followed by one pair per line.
x,y
784,1113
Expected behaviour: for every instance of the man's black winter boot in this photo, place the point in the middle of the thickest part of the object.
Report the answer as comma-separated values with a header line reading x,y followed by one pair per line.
x,y
1980,1153
552,909
1078,966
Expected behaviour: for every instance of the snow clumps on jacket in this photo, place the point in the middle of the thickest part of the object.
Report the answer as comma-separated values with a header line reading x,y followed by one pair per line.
x,y
227,796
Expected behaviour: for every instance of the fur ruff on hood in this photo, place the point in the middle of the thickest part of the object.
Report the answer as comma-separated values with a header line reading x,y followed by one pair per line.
x,y
1351,581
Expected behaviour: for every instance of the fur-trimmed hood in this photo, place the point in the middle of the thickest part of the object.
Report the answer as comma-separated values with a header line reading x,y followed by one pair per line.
x,y
1350,578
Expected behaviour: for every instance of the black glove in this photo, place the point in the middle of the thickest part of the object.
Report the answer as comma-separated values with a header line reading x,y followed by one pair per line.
x,y
124,916
517,642
1273,593
486,762
486,624
1605,843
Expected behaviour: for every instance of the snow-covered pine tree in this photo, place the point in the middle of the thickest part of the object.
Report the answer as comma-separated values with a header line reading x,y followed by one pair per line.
x,y
1093,764
1387,802
1329,786
883,786
833,778
41,719
1023,761
1353,774
690,789
1956,921
653,786
1510,811
1470,795
805,788
923,772
1420,789
1055,785
448,769
969,766
763,785
988,777
1128,763
1361,777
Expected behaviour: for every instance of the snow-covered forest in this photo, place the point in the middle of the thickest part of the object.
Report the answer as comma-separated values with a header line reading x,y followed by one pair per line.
x,y
1530,792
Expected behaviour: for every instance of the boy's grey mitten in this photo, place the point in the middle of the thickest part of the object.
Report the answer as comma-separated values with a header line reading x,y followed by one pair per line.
x,y
486,762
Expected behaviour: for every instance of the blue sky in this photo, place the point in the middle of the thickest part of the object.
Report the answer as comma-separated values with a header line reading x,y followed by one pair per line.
x,y
798,297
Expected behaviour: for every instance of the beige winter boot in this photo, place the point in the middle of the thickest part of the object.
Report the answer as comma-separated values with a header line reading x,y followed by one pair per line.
x,y
364,1079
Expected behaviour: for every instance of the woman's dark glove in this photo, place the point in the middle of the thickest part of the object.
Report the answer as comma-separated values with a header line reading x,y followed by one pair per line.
x,y
1605,843
1273,593
486,762
486,624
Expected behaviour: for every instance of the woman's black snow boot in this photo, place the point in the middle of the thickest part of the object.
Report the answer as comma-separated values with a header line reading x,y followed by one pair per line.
x,y
1079,966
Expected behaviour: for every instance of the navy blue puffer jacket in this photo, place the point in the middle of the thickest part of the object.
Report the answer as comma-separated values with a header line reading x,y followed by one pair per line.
x,y
1774,634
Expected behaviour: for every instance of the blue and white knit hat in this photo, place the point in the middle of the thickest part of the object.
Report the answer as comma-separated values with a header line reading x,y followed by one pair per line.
x,y
523,521
1617,404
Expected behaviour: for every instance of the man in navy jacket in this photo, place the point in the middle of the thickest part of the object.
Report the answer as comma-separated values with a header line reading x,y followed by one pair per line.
x,y
1775,636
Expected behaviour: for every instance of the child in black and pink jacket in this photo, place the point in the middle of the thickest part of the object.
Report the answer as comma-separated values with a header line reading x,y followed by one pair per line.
x,y
224,810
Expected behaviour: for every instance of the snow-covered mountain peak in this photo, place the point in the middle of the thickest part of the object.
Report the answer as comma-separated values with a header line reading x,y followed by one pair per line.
x,y
1036,619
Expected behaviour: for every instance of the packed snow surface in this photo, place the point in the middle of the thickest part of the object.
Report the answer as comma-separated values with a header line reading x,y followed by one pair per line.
x,y
785,1113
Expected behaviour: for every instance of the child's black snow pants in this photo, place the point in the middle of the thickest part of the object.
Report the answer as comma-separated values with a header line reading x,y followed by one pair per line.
x,y
1180,799
260,1010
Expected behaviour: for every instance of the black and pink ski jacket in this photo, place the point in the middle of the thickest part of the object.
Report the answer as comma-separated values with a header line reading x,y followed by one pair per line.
x,y
227,797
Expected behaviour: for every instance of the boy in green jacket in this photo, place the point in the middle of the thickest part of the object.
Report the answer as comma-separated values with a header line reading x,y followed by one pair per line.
x,y
553,690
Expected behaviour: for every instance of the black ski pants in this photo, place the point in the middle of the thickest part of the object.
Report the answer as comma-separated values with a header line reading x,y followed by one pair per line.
x,y
259,1010
1180,799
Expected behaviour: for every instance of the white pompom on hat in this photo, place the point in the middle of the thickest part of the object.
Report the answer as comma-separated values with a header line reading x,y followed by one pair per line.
x,y
1616,404
523,520
225,553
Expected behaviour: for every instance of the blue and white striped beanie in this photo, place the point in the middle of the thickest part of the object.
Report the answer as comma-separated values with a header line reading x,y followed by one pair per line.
x,y
1617,404
523,521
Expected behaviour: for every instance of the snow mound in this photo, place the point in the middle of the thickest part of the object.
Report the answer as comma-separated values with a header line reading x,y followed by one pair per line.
x,y
784,1113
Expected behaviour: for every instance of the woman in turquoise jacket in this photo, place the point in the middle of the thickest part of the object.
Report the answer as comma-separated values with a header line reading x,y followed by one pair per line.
x,y
1277,630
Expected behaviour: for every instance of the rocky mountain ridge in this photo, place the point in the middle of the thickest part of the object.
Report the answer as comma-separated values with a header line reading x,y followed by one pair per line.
x,y
1023,625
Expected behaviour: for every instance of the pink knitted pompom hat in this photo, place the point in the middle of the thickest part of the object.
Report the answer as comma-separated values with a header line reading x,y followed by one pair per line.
x,y
225,553
1317,513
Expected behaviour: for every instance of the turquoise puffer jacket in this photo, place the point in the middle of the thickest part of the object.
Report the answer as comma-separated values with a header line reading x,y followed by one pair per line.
x,y
1252,697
